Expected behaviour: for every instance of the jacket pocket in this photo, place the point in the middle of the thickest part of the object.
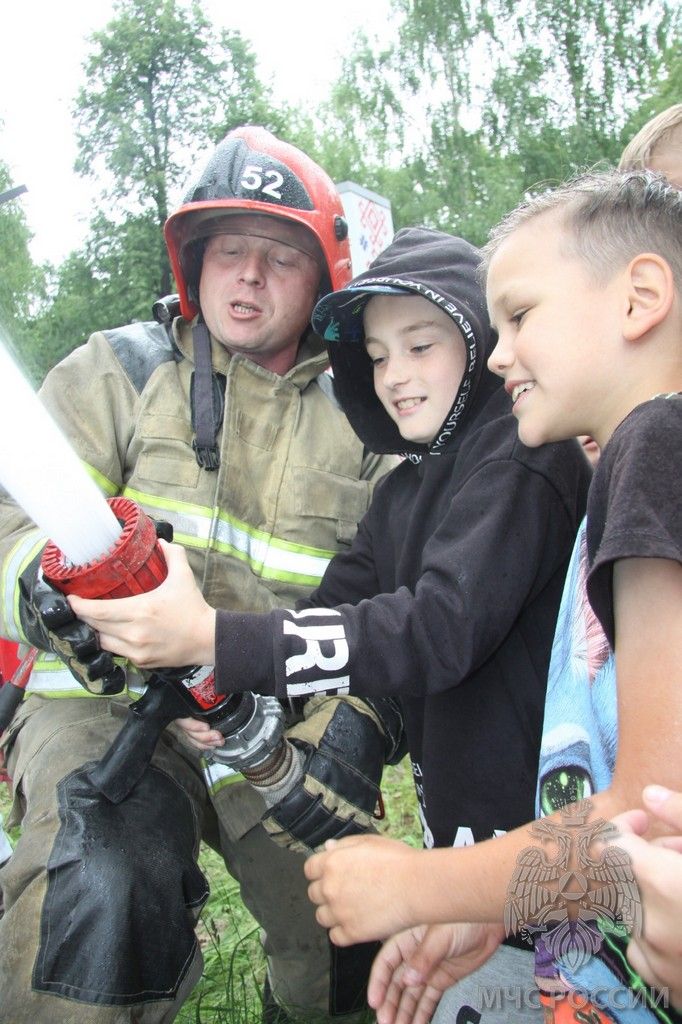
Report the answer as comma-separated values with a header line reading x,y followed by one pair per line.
x,y
166,455
331,496
258,432
163,468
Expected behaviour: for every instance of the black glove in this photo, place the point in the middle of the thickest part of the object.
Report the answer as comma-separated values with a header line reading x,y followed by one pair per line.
x,y
345,742
49,623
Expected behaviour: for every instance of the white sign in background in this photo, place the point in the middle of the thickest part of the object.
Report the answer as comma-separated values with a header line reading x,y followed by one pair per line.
x,y
370,223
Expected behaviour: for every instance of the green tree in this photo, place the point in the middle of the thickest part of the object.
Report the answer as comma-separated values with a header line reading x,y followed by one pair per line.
x,y
570,76
106,284
19,276
405,107
667,92
161,85
21,281
476,102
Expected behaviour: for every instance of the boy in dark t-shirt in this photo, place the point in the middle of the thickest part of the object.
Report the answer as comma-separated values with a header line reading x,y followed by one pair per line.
x,y
633,513
584,285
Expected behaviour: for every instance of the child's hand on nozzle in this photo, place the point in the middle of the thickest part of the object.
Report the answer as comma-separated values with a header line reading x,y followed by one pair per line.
x,y
199,734
365,887
167,627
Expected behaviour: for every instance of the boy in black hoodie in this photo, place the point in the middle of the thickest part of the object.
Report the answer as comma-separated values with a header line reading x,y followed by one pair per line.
x,y
448,596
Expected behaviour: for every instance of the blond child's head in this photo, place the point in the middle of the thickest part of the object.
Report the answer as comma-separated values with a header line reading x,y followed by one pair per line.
x,y
607,219
657,146
579,280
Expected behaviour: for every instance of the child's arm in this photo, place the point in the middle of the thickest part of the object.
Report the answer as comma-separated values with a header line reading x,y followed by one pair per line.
x,y
414,967
472,586
648,648
370,887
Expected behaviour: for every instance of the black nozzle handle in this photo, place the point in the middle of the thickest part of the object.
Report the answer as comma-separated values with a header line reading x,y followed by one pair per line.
x,y
124,763
165,699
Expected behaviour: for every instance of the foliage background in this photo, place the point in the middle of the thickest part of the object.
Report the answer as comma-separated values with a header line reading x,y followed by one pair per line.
x,y
459,108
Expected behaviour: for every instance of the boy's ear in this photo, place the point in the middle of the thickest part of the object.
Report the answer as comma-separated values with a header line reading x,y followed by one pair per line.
x,y
650,293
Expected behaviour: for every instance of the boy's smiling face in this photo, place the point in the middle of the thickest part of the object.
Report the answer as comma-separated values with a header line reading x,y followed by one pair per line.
x,y
558,333
419,359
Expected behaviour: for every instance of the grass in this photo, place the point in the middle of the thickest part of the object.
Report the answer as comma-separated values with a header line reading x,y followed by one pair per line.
x,y
234,966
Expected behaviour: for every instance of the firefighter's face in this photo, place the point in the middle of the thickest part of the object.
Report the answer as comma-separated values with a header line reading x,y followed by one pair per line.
x,y
256,292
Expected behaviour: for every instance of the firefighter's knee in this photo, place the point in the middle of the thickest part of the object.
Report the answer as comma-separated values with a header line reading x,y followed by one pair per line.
x,y
121,879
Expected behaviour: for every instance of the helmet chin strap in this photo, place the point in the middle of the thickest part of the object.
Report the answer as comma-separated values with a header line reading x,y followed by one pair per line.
x,y
207,398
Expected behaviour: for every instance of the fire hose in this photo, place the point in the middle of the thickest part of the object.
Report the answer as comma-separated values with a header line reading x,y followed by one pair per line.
x,y
252,725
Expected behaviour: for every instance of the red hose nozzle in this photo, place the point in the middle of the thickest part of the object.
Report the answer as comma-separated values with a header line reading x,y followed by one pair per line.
x,y
134,565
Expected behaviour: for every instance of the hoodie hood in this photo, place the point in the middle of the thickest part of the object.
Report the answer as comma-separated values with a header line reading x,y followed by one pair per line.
x,y
442,269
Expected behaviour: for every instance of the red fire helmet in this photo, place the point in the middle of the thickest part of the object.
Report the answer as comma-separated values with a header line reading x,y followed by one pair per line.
x,y
252,171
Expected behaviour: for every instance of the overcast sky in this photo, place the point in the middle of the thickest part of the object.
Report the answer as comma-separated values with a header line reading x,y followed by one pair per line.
x,y
299,44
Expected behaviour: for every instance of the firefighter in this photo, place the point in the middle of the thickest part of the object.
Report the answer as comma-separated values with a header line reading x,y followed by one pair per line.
x,y
222,421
